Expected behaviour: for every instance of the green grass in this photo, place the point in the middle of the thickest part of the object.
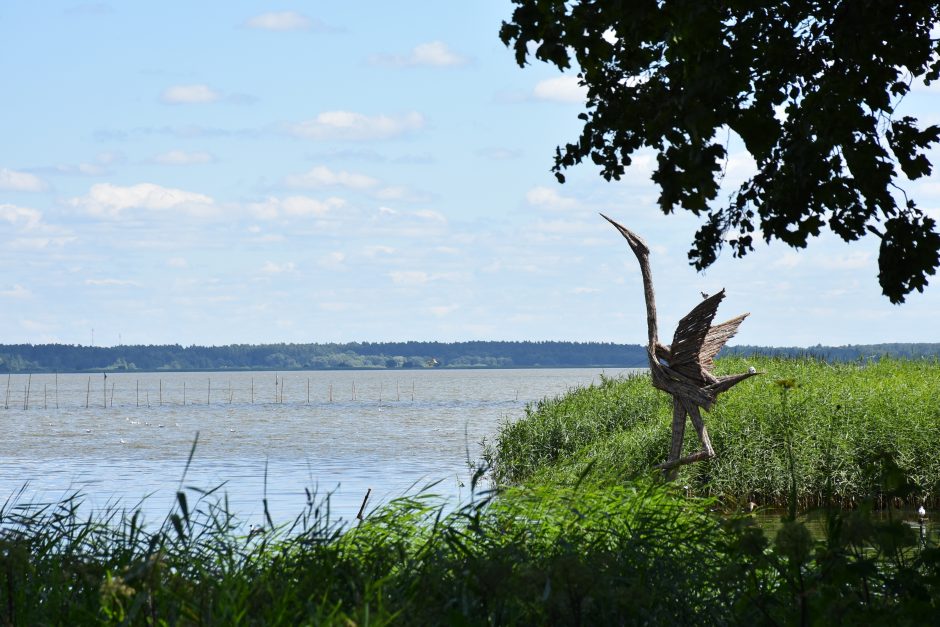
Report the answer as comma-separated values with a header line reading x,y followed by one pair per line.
x,y
841,421
532,556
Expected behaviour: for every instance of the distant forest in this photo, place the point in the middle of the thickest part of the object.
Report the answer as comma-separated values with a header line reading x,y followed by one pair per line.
x,y
69,358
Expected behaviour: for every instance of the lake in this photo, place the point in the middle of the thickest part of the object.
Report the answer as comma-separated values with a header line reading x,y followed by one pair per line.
x,y
128,435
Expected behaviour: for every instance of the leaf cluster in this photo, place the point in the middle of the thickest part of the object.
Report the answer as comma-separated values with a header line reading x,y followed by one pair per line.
x,y
810,86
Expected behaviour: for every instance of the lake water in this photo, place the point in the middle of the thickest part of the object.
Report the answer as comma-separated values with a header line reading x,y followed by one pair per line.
x,y
127,436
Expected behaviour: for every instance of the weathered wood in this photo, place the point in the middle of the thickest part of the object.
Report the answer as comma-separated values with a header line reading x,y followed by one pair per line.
x,y
684,369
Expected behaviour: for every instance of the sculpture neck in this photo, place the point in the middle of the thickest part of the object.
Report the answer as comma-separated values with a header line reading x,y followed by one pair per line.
x,y
650,301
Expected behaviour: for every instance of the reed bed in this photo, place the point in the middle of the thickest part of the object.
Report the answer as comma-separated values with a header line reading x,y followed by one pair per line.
x,y
530,556
839,425
638,554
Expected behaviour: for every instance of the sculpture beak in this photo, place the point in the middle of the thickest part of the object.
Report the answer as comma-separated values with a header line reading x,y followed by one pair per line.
x,y
636,242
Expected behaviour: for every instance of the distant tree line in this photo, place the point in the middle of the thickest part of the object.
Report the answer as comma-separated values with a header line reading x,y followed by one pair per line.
x,y
77,358
387,355
851,352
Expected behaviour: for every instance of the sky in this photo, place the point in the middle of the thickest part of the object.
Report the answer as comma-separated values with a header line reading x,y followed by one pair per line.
x,y
255,172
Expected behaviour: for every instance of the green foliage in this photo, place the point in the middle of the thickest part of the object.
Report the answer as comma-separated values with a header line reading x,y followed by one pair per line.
x,y
531,556
639,554
821,434
677,76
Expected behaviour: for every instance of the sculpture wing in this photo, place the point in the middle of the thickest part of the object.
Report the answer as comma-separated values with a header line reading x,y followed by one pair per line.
x,y
690,337
716,338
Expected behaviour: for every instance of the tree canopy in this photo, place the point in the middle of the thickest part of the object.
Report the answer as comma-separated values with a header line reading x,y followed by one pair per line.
x,y
811,87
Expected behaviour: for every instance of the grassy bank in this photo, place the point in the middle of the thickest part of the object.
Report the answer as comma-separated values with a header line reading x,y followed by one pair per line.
x,y
838,424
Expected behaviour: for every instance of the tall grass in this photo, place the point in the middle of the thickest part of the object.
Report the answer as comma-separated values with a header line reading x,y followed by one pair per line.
x,y
842,421
531,556
643,554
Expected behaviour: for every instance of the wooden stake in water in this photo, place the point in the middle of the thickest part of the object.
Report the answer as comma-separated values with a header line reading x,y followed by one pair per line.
x,y
6,400
148,397
161,392
87,392
229,391
184,391
104,391
45,405
353,390
397,390
138,392
380,392
412,390
308,390
112,394
331,392
209,391
57,389
252,390
29,381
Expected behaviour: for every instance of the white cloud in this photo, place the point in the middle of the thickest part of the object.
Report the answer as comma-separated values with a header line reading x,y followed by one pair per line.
x,y
274,207
108,200
177,262
375,251
549,198
443,310
420,277
789,259
322,176
280,21
348,125
409,277
431,54
17,292
111,283
850,261
189,94
180,157
81,169
586,290
14,181
275,268
428,214
23,217
560,89
333,259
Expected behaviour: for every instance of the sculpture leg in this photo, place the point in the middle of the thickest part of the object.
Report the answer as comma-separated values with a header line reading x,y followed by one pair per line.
x,y
678,429
680,409
699,425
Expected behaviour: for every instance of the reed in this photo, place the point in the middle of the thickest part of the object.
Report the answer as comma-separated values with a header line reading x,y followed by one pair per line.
x,y
637,554
843,420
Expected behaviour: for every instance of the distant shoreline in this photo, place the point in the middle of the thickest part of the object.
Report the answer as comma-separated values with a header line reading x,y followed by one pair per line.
x,y
391,356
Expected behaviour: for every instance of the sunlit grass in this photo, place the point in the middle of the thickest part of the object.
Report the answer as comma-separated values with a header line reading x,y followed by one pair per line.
x,y
842,418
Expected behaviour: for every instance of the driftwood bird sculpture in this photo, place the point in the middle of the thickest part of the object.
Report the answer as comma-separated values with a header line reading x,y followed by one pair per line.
x,y
684,368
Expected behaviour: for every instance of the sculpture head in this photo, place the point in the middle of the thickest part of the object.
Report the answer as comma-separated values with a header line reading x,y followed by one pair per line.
x,y
636,242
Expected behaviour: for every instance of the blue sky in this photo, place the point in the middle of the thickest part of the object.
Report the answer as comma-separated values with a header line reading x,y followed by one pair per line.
x,y
222,172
